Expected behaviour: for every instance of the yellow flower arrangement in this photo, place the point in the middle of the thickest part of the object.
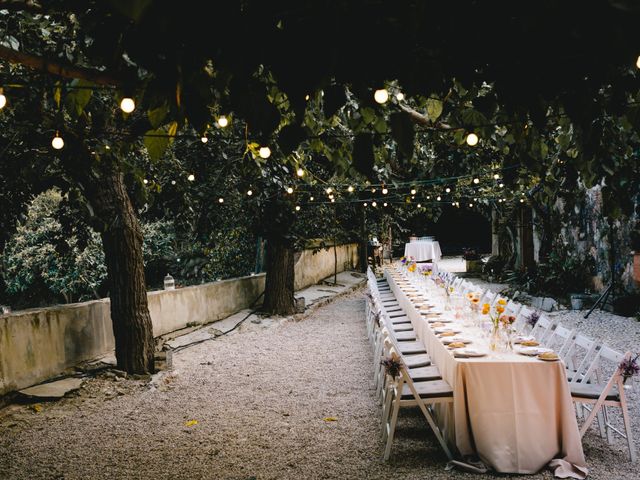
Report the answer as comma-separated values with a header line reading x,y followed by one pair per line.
x,y
485,309
412,267
502,302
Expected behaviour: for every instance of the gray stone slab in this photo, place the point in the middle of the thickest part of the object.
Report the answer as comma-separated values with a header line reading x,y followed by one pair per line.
x,y
57,389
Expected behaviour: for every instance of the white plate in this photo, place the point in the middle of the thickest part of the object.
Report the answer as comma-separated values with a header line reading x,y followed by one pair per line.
x,y
436,320
441,330
448,340
533,351
468,352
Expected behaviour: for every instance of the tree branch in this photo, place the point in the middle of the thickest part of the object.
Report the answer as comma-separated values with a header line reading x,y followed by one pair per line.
x,y
21,5
58,69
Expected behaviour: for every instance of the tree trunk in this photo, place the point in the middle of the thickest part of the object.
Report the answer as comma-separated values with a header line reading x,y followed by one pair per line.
x,y
279,288
122,243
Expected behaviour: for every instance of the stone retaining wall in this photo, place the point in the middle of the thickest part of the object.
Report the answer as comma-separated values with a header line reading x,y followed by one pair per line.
x,y
38,344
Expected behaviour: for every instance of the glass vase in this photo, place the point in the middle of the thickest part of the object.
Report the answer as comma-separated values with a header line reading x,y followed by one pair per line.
x,y
494,338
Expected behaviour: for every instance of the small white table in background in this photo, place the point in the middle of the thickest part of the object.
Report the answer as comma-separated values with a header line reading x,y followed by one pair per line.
x,y
423,250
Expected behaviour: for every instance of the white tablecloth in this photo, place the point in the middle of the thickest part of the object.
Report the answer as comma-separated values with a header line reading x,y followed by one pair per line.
x,y
423,250
514,412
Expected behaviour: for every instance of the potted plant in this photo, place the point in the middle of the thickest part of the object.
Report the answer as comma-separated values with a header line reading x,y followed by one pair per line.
x,y
472,260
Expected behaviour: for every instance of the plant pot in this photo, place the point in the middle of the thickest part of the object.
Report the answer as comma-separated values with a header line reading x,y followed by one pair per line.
x,y
473,266
576,302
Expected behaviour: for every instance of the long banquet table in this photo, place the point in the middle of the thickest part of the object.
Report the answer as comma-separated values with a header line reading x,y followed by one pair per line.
x,y
422,250
512,411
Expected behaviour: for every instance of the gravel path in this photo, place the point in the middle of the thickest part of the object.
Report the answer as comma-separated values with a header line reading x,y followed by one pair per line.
x,y
291,400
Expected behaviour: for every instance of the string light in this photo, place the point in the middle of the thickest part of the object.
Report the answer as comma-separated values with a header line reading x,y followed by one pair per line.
x,y
522,200
329,190
471,204
448,190
221,200
297,208
57,142
127,105
333,200
300,172
249,192
638,62
311,199
264,152
385,191
438,198
145,181
191,177
173,182
365,204
384,204
289,190
381,96
453,204
496,176
350,189
223,121
3,99
413,191
374,204
501,185
373,190
331,197
476,181
204,139
472,139
400,96
306,97
428,197
419,205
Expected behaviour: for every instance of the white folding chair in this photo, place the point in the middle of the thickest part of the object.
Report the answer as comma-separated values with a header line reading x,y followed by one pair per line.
x,y
543,328
602,395
402,391
560,339
579,357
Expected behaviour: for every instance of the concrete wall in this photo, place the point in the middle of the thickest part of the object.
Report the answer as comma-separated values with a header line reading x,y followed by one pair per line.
x,y
38,344
313,266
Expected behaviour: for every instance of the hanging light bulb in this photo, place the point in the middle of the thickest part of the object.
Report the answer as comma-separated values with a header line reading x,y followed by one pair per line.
x,y
350,189
297,208
374,204
428,197
145,181
221,200
264,152
496,176
476,181
419,205
365,204
300,172
191,177
438,198
448,190
329,190
453,204
3,99
400,96
501,185
522,200
638,62
373,190
249,192
289,190
384,204
204,139
385,191
57,142
331,197
413,191
127,105
472,139
306,97
333,200
471,204
223,121
311,199
381,96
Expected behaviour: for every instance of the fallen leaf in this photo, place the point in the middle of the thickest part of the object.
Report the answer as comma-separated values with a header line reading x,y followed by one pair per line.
x,y
190,423
330,419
